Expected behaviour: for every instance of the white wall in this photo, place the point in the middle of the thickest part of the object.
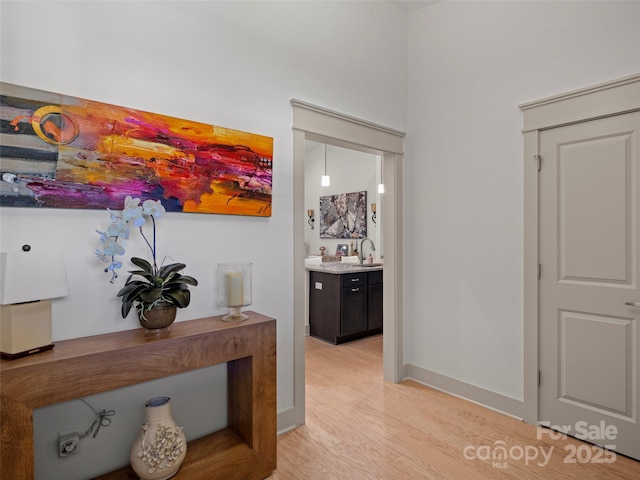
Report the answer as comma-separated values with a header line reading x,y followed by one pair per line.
x,y
470,65
234,64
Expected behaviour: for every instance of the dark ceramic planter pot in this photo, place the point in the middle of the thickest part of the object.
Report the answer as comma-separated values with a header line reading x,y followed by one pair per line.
x,y
159,318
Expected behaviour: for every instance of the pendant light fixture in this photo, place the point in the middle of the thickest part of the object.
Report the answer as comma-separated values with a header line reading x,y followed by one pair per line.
x,y
381,184
325,178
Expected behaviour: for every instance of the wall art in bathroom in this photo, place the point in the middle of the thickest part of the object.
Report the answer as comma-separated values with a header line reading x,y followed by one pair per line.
x,y
343,215
67,152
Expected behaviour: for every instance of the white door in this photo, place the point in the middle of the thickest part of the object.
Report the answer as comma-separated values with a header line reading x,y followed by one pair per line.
x,y
589,258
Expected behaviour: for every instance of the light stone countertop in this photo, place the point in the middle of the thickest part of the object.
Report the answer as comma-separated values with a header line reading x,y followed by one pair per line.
x,y
340,268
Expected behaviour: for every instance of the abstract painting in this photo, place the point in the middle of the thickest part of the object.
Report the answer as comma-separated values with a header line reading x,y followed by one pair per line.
x,y
343,215
66,152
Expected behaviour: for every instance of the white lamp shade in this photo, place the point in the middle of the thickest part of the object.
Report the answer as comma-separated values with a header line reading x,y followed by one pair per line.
x,y
31,276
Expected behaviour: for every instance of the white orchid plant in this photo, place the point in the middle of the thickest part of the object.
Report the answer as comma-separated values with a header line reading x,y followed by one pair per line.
x,y
151,284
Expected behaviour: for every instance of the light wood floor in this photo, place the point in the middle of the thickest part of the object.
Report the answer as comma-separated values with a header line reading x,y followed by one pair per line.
x,y
360,427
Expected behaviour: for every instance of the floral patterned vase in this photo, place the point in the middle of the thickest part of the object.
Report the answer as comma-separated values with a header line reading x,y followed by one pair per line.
x,y
161,446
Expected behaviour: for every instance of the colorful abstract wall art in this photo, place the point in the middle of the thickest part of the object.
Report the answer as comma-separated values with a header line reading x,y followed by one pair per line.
x,y
67,152
343,215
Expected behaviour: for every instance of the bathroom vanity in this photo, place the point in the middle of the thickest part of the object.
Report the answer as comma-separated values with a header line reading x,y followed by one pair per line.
x,y
345,301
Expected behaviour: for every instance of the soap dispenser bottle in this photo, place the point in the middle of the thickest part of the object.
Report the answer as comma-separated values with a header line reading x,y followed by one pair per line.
x,y
370,259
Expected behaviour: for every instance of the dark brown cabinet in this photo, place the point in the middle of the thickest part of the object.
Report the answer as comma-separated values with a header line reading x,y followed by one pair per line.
x,y
345,306
374,300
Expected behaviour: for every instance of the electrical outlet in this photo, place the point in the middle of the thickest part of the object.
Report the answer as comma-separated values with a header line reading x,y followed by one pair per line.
x,y
68,443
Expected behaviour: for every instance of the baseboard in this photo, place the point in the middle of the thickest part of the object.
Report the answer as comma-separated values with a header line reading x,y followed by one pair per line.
x,y
487,398
288,420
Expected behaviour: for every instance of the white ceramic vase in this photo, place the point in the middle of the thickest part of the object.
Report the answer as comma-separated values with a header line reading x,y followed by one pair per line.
x,y
160,448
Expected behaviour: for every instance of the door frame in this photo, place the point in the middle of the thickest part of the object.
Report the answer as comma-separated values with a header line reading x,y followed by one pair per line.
x,y
606,99
327,126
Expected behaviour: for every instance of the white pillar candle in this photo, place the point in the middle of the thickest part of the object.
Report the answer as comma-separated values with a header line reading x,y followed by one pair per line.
x,y
235,289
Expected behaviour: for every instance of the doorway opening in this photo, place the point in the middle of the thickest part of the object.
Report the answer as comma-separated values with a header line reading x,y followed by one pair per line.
x,y
326,126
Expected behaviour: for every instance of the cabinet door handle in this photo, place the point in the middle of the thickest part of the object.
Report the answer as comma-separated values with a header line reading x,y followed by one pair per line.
x,y
355,289
355,279
632,304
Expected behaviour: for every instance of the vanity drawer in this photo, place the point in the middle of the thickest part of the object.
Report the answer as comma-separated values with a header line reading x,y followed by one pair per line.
x,y
353,279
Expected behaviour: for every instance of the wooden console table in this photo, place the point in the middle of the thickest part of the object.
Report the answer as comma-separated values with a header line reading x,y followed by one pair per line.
x,y
246,450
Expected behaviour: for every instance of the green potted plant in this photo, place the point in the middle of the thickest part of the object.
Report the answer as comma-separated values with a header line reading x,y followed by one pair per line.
x,y
153,290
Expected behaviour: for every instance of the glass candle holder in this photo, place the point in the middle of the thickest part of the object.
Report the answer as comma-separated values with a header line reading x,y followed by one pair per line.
x,y
234,289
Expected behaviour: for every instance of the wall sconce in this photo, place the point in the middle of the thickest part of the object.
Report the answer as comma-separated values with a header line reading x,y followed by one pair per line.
x,y
27,281
234,289
326,181
373,209
311,219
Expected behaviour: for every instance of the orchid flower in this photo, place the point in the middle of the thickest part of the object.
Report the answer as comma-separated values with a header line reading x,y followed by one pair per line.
x,y
153,208
133,214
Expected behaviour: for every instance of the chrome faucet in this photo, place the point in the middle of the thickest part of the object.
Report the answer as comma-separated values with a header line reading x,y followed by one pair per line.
x,y
373,248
